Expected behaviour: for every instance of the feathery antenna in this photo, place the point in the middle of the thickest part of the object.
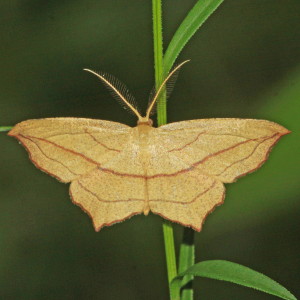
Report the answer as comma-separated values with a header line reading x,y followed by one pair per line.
x,y
122,94
119,91
169,89
151,106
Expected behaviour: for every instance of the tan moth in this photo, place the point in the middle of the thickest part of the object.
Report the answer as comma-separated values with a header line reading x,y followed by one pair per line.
x,y
177,170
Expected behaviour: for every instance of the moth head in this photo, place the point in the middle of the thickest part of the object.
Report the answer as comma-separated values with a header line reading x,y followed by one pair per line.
x,y
145,121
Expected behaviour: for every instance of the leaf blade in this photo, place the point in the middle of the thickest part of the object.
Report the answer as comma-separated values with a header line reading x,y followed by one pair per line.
x,y
5,128
238,274
192,22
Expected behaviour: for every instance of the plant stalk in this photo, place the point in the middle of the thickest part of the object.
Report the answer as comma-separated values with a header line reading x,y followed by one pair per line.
x,y
162,119
186,260
158,60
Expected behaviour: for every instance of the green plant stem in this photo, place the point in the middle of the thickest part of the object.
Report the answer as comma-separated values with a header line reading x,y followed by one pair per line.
x,y
162,119
169,250
186,260
158,60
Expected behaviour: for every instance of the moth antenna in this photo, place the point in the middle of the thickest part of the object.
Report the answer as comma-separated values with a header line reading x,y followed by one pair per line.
x,y
169,89
151,96
170,84
152,104
119,91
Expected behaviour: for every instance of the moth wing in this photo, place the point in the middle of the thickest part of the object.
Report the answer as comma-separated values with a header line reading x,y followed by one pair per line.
x,y
67,148
225,149
118,189
90,154
185,198
192,159
107,197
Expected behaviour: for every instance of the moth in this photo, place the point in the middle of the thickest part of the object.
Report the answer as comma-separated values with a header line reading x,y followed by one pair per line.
x,y
176,171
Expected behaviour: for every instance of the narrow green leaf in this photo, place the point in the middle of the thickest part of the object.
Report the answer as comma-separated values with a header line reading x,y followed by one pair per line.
x,y
5,128
235,273
195,18
186,260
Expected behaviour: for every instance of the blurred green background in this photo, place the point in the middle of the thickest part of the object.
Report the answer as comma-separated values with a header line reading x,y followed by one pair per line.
x,y
245,62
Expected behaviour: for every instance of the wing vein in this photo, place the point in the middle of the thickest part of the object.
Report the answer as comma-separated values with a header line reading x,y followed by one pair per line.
x,y
188,144
83,133
231,147
50,158
107,201
188,202
63,148
101,144
244,158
